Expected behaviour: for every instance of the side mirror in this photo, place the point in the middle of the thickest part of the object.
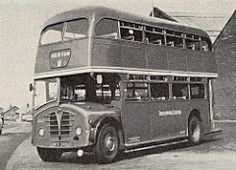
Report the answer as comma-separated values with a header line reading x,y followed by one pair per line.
x,y
31,87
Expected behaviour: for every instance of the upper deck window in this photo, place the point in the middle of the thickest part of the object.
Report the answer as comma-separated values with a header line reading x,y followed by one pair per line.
x,y
174,38
192,42
76,29
131,31
205,45
107,28
52,34
65,31
154,35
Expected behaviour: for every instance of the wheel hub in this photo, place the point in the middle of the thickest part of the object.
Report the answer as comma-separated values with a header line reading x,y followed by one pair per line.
x,y
110,143
196,132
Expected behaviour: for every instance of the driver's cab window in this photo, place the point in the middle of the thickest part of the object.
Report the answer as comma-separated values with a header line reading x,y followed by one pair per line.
x,y
86,88
68,90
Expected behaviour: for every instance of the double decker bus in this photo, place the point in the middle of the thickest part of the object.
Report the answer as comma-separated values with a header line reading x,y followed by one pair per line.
x,y
108,82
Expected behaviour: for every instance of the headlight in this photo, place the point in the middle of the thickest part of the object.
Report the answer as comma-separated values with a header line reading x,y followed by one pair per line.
x,y
41,132
78,131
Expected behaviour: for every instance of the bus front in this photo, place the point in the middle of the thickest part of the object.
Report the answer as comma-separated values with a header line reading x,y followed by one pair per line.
x,y
69,101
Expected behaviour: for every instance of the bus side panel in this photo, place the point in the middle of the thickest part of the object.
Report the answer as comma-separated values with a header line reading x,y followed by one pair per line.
x,y
78,58
136,120
157,58
133,55
169,119
106,52
195,61
177,58
79,54
202,105
210,62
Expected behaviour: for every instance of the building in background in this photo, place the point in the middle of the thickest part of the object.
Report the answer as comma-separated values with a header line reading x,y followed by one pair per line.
x,y
25,114
12,113
225,86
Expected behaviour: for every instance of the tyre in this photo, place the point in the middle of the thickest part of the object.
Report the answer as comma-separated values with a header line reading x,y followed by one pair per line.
x,y
107,144
0,131
194,130
49,155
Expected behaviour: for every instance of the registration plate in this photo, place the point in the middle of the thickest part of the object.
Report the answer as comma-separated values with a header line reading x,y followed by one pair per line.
x,y
61,143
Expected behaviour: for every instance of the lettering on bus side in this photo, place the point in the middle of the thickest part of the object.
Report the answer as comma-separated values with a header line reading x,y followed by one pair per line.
x,y
134,139
170,113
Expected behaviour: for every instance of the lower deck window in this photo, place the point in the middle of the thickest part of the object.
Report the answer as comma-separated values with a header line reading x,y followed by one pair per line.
x,y
136,91
180,91
197,91
159,91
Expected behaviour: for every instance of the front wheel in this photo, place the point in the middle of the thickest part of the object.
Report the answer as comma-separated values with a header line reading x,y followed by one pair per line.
x,y
49,155
194,130
107,144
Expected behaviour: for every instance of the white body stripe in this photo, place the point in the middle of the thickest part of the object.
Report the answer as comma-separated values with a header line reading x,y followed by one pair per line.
x,y
122,70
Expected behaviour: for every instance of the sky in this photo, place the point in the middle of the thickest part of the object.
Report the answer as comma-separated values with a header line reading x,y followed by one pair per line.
x,y
22,20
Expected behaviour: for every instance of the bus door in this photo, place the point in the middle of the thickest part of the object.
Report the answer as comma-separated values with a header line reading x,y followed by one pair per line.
x,y
136,117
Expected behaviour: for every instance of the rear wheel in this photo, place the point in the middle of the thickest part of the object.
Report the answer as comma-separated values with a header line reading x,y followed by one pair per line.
x,y
107,144
50,155
194,130
0,131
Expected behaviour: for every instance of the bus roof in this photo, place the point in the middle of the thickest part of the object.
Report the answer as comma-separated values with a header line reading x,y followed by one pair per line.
x,y
104,12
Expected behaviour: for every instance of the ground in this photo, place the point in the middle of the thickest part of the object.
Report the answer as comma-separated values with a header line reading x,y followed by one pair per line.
x,y
218,153
13,134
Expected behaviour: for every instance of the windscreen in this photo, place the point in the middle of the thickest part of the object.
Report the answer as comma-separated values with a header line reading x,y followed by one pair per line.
x,y
45,91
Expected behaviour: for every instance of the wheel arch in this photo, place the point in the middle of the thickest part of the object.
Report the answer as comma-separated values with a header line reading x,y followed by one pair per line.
x,y
108,121
195,113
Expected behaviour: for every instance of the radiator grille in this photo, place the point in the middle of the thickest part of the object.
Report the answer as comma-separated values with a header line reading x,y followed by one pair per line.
x,y
53,124
61,128
65,124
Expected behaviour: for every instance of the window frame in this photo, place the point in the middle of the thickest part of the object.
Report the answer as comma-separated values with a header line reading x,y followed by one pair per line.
x,y
129,28
118,29
153,31
64,25
165,33
65,28
160,99
204,90
136,98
